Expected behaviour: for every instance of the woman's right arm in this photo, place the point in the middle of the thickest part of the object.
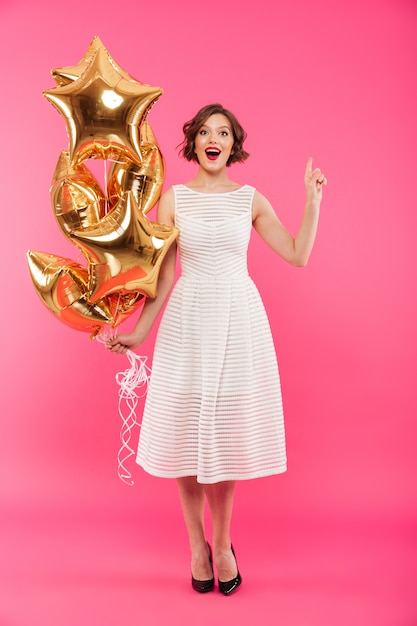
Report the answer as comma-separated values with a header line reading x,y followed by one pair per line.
x,y
121,343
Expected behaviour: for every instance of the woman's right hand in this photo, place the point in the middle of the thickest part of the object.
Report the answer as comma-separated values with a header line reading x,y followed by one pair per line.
x,y
120,344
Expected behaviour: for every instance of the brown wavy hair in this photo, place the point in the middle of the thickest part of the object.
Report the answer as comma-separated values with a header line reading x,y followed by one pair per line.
x,y
191,128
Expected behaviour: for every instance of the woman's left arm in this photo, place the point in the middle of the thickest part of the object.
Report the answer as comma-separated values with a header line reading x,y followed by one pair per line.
x,y
296,250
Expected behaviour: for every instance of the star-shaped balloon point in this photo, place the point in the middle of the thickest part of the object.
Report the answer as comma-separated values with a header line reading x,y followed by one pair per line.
x,y
105,110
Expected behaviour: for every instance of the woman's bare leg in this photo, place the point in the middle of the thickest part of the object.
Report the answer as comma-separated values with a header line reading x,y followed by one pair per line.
x,y
192,497
220,498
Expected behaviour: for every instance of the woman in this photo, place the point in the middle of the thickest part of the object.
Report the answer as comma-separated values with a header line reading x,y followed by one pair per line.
x,y
213,413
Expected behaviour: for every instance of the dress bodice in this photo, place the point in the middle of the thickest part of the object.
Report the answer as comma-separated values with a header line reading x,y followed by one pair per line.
x,y
214,231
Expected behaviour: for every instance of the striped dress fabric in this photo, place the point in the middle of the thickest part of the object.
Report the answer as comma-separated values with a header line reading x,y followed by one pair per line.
x,y
213,408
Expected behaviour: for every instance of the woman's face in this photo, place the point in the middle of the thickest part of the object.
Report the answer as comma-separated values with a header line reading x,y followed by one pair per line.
x,y
214,142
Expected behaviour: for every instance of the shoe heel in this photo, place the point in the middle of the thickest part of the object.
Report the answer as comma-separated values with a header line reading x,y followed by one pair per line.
x,y
204,586
230,586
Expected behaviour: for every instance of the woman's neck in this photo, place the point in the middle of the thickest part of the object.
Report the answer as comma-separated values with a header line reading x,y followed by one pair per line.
x,y
212,182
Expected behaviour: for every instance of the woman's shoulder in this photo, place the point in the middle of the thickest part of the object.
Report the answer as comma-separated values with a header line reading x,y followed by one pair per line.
x,y
260,205
166,207
259,198
168,192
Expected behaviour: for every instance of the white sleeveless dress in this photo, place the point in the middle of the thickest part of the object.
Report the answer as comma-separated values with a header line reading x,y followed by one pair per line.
x,y
213,408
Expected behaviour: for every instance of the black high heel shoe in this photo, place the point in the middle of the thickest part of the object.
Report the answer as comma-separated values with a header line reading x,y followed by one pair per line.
x,y
203,586
230,586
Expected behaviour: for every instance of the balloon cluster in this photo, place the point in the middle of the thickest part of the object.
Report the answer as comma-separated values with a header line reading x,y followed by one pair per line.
x,y
105,111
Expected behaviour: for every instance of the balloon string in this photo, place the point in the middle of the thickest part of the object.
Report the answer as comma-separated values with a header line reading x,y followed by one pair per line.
x,y
131,381
106,200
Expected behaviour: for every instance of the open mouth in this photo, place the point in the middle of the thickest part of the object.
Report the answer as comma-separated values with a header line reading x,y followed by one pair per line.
x,y
212,153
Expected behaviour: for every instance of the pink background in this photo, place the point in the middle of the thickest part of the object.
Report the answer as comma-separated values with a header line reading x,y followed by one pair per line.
x,y
333,541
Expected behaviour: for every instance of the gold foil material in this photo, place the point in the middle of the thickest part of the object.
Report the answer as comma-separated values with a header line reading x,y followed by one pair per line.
x,y
105,111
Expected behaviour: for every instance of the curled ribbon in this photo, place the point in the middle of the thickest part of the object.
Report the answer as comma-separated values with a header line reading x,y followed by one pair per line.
x,y
133,384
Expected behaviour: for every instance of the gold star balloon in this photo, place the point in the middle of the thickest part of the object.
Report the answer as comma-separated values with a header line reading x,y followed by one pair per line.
x,y
76,196
146,180
65,75
124,251
103,111
62,284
